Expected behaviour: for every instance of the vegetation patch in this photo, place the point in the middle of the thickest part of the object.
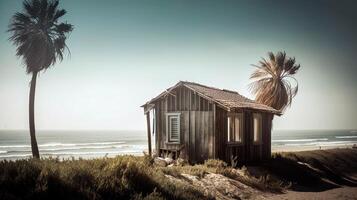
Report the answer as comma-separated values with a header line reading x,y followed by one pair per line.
x,y
132,177
122,177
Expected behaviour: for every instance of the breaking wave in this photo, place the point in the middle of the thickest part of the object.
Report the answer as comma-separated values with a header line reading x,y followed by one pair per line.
x,y
346,137
57,144
323,144
302,140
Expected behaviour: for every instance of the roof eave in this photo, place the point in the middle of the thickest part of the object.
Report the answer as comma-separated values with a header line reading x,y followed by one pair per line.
x,y
272,111
223,105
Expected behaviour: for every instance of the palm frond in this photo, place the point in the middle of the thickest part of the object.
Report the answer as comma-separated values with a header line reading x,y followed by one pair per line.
x,y
43,11
267,66
260,72
51,9
270,81
32,7
58,14
294,69
63,28
271,56
39,37
60,45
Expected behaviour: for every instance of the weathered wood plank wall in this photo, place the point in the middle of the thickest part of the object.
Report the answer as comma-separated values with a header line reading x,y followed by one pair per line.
x,y
221,133
250,151
196,128
203,130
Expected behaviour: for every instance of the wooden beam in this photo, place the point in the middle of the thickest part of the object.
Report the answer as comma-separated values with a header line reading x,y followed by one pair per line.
x,y
149,132
148,107
214,132
168,92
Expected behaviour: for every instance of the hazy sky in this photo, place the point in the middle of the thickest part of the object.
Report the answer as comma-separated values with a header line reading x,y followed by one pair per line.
x,y
125,52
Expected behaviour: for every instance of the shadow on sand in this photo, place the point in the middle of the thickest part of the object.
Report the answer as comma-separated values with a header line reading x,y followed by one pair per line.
x,y
312,176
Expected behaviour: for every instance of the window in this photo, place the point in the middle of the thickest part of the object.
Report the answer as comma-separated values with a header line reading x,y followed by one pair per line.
x,y
235,127
257,118
173,127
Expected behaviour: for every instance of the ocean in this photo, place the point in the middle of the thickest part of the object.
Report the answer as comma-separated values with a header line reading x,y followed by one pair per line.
x,y
94,144
68,144
292,140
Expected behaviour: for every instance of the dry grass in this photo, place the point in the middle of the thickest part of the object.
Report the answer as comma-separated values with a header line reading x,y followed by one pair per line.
x,y
130,177
123,177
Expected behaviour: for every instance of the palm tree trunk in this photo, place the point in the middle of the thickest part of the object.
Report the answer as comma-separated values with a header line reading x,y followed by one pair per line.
x,y
34,146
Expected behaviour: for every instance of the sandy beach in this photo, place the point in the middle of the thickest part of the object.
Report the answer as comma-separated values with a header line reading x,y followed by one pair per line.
x,y
344,193
338,181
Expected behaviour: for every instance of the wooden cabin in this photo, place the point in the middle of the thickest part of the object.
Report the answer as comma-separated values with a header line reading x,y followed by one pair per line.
x,y
198,122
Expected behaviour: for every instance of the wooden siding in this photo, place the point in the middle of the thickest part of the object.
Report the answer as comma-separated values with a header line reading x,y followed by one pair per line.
x,y
196,128
249,151
201,135
203,130
221,133
184,99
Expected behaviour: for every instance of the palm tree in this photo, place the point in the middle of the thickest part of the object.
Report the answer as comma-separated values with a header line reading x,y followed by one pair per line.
x,y
40,40
272,81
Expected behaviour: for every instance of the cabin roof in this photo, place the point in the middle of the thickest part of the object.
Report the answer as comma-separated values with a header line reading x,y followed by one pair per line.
x,y
228,99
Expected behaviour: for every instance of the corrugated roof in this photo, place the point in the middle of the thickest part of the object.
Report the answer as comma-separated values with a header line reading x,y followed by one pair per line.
x,y
226,98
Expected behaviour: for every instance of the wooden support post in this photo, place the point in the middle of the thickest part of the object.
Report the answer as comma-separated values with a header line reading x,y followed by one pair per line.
x,y
215,137
149,132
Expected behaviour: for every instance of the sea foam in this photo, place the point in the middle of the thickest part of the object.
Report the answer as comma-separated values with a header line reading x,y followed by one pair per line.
x,y
302,140
346,137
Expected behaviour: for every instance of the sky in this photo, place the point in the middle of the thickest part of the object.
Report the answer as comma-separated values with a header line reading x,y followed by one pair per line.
x,y
124,53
